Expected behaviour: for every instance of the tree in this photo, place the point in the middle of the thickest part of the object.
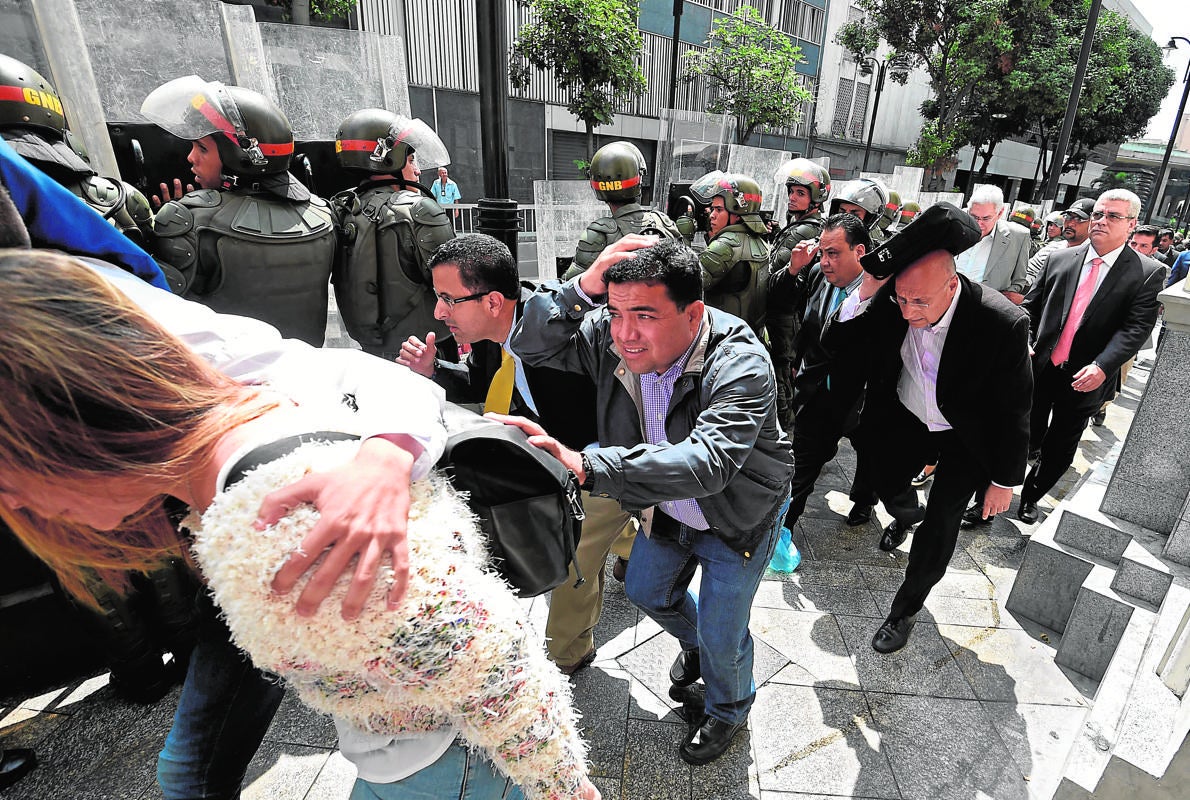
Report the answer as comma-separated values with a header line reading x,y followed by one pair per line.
x,y
590,46
300,10
751,70
1109,179
961,45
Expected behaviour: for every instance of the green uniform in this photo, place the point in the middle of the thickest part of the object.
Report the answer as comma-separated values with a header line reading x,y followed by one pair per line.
x,y
735,274
628,218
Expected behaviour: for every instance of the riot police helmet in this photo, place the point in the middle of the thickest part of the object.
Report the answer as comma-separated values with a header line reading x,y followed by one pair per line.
x,y
252,134
379,141
617,172
741,196
866,193
892,211
32,119
804,172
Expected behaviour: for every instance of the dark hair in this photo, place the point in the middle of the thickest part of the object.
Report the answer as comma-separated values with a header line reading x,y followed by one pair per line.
x,y
485,264
1166,232
12,228
853,228
669,263
1147,230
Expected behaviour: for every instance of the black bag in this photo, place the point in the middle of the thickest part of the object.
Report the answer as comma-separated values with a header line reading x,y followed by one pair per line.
x,y
528,504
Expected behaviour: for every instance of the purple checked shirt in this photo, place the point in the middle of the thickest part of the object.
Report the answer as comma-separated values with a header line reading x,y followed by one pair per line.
x,y
656,391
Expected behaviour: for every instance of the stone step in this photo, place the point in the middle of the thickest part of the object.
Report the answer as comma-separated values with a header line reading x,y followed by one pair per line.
x,y
1096,624
1141,574
1091,532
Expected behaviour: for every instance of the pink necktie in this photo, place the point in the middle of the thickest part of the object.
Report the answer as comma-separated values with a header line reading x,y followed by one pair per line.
x,y
1082,299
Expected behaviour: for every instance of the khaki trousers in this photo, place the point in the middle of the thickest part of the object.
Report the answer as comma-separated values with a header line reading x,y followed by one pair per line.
x,y
574,612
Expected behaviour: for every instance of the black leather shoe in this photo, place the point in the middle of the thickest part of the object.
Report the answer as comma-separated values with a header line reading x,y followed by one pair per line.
x,y
709,741
582,663
620,569
860,514
1027,512
893,634
893,536
693,699
973,518
1099,417
14,765
686,668
922,479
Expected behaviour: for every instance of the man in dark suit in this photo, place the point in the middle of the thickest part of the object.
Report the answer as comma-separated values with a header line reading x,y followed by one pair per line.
x,y
947,368
1089,312
480,298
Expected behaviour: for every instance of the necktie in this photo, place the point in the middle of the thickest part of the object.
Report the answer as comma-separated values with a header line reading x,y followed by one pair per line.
x,y
499,397
1082,299
837,299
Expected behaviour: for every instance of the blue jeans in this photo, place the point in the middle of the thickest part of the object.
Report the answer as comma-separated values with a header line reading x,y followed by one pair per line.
x,y
225,708
716,624
458,773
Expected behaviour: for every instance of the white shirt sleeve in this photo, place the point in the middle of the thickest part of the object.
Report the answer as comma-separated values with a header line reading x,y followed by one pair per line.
x,y
390,398
852,307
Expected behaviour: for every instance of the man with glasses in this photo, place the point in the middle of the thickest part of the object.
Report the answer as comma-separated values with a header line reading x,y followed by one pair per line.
x,y
1076,227
947,367
1089,312
1001,255
480,299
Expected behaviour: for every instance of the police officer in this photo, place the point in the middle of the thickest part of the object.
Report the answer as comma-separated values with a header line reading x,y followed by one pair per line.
x,y
891,215
808,185
617,173
252,240
866,199
735,263
389,226
33,122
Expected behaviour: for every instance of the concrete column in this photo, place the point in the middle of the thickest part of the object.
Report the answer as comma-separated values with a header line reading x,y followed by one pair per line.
x,y
1151,480
66,49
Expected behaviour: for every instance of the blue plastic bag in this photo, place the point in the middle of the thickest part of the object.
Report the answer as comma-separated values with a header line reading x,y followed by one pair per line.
x,y
786,557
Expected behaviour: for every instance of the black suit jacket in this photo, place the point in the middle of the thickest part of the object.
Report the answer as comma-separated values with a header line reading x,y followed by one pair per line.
x,y
1116,323
565,400
814,359
985,383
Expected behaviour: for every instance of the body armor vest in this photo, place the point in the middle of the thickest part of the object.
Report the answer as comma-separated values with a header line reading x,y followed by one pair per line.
x,y
382,281
735,271
256,255
628,218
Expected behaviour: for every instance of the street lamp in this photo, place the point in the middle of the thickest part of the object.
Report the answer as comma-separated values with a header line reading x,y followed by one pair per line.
x,y
1177,121
880,66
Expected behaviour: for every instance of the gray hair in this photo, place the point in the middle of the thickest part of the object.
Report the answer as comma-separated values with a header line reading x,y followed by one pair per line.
x,y
987,194
1123,194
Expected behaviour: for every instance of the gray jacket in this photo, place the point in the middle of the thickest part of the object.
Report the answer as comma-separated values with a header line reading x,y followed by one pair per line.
x,y
728,450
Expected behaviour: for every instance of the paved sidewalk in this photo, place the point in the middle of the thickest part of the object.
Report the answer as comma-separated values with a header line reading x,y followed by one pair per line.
x,y
973,707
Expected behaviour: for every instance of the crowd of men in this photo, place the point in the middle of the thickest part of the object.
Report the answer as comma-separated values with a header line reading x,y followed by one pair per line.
x,y
695,393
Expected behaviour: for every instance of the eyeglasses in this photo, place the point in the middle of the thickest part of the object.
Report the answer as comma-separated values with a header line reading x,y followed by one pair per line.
x,y
984,219
903,301
1070,216
454,301
1111,215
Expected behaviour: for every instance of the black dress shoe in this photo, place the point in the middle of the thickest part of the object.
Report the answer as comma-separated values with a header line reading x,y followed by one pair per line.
x,y
582,663
1099,417
860,514
893,535
693,699
709,741
973,518
893,634
14,765
686,668
1027,512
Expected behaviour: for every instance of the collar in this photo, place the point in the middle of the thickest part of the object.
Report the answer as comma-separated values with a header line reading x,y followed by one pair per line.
x,y
1108,258
943,324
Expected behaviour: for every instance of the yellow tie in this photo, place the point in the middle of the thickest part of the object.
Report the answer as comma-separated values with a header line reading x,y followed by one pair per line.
x,y
499,397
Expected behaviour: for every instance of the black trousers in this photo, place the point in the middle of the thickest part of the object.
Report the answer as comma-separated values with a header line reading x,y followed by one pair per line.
x,y
817,429
894,452
1057,422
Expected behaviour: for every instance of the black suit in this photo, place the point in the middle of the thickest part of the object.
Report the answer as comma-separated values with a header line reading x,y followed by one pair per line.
x,y
1116,323
826,405
565,400
983,390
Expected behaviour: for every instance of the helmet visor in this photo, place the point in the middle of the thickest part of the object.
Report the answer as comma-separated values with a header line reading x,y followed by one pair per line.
x,y
711,185
191,108
429,151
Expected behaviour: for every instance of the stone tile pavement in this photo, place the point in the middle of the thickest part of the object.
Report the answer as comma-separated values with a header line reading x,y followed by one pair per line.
x,y
973,708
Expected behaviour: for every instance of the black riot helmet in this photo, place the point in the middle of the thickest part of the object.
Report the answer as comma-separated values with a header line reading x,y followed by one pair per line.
x,y
866,193
616,171
252,134
32,119
379,141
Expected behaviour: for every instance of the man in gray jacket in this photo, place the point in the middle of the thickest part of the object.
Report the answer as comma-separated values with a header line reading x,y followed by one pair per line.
x,y
687,422
999,259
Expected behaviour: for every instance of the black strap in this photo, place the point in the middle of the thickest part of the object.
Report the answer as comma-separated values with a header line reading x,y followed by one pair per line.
x,y
282,447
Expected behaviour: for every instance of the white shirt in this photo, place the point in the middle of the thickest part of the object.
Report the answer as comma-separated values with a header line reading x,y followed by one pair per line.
x,y
973,262
522,382
1109,261
921,356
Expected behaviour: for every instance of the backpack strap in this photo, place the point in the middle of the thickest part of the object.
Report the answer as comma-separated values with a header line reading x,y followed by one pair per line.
x,y
271,451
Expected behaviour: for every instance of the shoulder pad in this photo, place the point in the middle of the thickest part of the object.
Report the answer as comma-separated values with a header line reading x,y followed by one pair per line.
x,y
719,255
99,191
728,238
604,225
202,198
756,249
173,219
427,212
655,221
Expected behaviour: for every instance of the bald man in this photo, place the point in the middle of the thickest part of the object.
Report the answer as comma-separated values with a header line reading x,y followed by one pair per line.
x,y
947,366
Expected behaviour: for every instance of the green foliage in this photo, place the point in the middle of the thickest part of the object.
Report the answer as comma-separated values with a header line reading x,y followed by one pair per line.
x,y
590,46
1114,180
329,9
751,69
